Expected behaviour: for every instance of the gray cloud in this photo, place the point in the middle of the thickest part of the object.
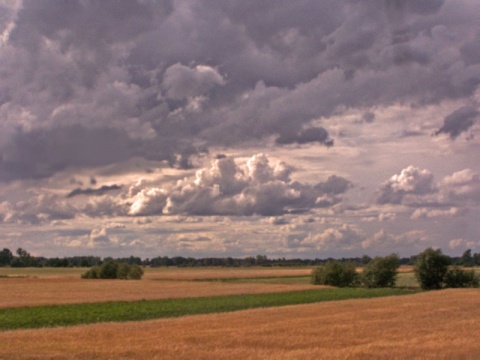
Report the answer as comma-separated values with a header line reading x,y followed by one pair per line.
x,y
458,121
96,192
461,187
39,208
309,135
162,79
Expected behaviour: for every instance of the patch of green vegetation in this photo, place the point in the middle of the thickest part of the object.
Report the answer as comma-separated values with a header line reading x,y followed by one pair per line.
x,y
407,280
68,315
41,272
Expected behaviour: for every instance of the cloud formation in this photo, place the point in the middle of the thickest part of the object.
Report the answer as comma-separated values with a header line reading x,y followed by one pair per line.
x,y
459,121
411,181
165,79
226,188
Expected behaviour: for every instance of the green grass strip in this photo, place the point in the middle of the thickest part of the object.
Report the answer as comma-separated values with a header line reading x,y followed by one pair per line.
x,y
75,314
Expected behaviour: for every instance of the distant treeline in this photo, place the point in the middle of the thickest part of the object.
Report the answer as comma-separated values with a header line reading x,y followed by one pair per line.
x,y
22,258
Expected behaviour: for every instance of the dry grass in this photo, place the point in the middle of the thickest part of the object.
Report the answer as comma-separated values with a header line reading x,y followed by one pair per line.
x,y
435,325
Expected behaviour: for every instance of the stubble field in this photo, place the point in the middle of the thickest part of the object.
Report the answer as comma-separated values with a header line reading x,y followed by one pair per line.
x,y
440,324
29,287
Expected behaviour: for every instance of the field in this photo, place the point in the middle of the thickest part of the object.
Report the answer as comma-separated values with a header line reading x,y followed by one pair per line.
x,y
439,324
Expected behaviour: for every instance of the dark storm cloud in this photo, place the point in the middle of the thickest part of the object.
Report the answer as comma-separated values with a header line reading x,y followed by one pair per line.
x,y
309,135
96,192
458,121
154,78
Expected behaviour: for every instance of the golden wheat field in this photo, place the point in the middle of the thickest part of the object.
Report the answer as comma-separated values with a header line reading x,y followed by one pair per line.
x,y
436,325
164,273
47,286
430,325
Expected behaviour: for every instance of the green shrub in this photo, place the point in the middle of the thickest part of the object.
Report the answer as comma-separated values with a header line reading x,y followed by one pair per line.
x,y
114,270
335,273
136,272
430,269
458,278
381,272
123,269
108,270
93,273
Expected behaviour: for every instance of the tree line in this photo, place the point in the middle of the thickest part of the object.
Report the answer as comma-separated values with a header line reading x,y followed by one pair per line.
x,y
432,270
22,258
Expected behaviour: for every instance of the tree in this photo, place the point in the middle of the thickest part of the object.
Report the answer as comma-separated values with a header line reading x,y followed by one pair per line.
x,y
458,278
365,259
467,258
430,268
136,272
6,257
381,272
24,259
335,273
108,270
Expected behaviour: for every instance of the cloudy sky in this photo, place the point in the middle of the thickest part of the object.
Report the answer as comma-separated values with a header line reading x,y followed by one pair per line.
x,y
239,127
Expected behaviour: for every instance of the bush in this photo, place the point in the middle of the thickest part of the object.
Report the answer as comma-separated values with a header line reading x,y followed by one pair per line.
x,y
458,278
93,273
108,270
123,269
381,272
430,269
114,270
136,272
335,273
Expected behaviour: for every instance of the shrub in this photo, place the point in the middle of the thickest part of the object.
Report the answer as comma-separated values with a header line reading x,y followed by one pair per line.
x,y
430,268
381,272
114,270
123,269
136,272
93,273
458,278
108,270
335,273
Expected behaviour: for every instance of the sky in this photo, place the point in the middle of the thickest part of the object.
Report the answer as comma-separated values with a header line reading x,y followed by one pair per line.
x,y
296,129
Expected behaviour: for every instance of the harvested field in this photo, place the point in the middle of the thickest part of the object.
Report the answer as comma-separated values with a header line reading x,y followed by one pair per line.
x,y
435,325
165,273
48,291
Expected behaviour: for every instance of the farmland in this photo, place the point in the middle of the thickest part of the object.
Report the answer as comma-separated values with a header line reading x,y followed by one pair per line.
x,y
414,325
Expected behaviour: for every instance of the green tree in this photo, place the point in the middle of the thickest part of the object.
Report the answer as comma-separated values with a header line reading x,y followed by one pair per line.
x,y
458,278
430,268
365,259
381,272
123,269
23,259
335,273
467,258
108,270
93,273
136,272
6,257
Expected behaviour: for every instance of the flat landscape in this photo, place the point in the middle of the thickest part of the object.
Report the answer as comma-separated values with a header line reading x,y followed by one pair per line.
x,y
29,287
437,324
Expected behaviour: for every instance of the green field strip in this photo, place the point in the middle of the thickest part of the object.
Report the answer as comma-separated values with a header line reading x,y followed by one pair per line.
x,y
119,311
